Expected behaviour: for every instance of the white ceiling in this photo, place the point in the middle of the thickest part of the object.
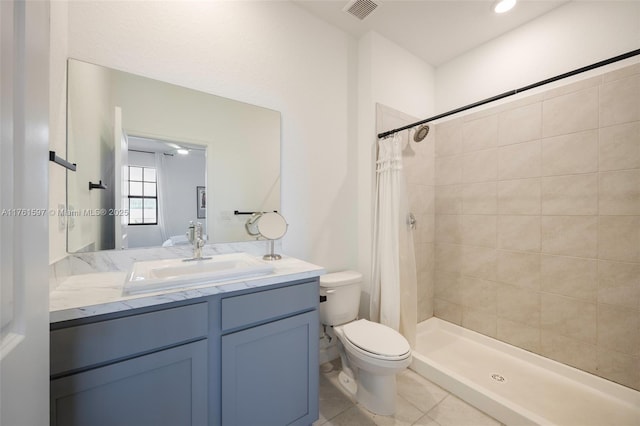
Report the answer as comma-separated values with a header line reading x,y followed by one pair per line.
x,y
137,143
434,30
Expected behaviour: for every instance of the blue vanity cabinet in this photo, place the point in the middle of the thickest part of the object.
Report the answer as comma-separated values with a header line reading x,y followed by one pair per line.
x,y
247,357
147,368
270,357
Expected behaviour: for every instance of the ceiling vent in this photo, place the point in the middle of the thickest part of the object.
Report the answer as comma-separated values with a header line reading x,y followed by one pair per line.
x,y
360,8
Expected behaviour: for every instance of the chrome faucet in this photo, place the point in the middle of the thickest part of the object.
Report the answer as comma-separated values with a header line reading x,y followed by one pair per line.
x,y
195,236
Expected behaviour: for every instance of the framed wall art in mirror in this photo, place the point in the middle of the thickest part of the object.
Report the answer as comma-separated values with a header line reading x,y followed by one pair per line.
x,y
201,200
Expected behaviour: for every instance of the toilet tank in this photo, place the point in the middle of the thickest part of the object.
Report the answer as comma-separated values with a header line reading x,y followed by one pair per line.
x,y
342,290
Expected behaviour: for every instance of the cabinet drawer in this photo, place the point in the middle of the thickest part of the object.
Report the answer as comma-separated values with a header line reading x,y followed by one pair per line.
x,y
98,343
244,310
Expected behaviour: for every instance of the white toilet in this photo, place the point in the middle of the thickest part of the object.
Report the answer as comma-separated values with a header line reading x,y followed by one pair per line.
x,y
371,353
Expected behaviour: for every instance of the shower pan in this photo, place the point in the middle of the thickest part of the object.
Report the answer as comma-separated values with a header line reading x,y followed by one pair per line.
x,y
516,386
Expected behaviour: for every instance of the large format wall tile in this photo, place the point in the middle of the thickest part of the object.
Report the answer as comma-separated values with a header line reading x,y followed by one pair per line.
x,y
619,147
570,351
448,170
519,305
569,276
448,199
620,192
448,229
518,334
571,153
619,284
619,238
448,138
570,235
479,294
479,198
521,269
479,262
570,195
520,124
479,134
480,166
618,329
479,320
620,101
519,161
519,233
519,197
479,230
570,113
568,317
619,367
538,224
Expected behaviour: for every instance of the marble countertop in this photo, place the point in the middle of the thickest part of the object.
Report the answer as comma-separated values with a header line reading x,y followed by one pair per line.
x,y
86,295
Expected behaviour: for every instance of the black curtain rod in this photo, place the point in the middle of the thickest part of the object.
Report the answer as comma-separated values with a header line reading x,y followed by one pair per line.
x,y
514,91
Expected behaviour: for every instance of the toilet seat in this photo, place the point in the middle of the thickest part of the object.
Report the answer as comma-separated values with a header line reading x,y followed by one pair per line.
x,y
377,340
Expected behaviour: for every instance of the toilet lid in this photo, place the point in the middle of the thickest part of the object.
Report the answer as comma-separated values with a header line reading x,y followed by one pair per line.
x,y
376,338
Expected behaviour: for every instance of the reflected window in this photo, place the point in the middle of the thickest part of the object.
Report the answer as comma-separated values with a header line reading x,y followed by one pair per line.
x,y
143,196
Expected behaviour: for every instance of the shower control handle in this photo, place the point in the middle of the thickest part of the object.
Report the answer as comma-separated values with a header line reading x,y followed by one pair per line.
x,y
412,221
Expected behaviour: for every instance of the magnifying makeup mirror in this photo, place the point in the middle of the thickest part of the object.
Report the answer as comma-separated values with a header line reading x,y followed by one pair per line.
x,y
271,226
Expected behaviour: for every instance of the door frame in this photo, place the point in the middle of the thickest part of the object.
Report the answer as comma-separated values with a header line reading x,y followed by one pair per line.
x,y
24,193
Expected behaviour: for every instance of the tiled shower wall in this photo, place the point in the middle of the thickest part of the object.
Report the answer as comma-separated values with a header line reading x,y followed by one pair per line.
x,y
537,224
418,159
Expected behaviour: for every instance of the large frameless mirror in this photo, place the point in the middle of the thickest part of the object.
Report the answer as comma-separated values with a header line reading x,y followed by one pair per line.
x,y
152,156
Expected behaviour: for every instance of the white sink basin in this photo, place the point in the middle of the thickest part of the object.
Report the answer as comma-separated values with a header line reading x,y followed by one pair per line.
x,y
157,275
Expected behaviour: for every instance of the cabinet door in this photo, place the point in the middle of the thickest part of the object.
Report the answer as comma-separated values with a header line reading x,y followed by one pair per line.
x,y
168,387
270,373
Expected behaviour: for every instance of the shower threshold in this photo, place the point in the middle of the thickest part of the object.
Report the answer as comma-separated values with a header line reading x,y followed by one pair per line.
x,y
515,386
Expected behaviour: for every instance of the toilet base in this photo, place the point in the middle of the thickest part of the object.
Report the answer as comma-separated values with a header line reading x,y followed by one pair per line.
x,y
377,393
348,383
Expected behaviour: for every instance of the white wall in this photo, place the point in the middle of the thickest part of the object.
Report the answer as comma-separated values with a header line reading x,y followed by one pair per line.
x,y
389,75
400,79
182,174
57,127
91,127
569,37
273,54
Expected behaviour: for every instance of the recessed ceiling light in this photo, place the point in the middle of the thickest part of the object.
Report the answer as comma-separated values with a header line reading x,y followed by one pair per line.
x,y
502,6
183,151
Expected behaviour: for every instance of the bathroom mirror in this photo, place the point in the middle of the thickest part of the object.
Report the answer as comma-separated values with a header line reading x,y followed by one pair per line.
x,y
115,118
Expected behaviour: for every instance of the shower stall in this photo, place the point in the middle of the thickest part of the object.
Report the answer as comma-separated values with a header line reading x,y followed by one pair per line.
x,y
528,251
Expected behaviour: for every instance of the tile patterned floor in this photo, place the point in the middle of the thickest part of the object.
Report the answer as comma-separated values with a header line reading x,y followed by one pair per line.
x,y
419,403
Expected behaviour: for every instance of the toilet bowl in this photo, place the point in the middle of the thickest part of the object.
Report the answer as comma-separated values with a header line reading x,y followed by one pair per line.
x,y
371,353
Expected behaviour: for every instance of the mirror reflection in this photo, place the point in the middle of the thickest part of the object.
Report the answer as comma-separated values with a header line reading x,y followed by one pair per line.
x,y
159,171
166,155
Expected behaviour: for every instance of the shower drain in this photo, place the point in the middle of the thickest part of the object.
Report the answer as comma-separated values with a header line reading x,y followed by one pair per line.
x,y
497,378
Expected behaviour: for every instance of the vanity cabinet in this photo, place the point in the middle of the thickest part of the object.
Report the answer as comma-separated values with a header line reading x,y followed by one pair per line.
x,y
143,369
248,357
269,367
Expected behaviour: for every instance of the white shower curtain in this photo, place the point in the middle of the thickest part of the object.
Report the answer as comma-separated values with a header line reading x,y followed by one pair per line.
x,y
394,282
